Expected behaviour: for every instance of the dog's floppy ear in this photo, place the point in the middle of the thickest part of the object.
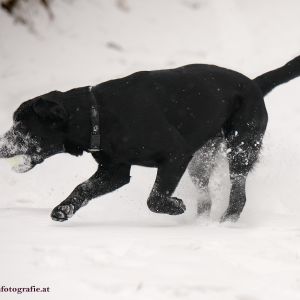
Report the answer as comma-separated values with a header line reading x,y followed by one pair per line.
x,y
50,110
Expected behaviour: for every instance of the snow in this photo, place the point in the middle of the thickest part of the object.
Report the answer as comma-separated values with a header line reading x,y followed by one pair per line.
x,y
115,248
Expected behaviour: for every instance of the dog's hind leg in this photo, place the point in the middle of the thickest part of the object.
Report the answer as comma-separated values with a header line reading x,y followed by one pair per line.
x,y
107,179
200,169
244,133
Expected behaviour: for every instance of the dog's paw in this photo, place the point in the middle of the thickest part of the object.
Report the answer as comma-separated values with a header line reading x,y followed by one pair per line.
x,y
228,217
204,208
175,206
62,212
167,205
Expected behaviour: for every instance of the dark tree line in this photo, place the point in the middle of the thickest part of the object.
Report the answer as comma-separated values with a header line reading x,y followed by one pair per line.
x,y
10,5
21,10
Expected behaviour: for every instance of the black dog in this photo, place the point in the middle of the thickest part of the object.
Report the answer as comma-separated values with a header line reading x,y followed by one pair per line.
x,y
150,118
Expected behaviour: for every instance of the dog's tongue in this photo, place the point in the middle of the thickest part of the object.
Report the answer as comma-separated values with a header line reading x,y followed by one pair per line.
x,y
20,163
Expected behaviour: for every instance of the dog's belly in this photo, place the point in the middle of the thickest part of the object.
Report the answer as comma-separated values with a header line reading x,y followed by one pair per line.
x,y
146,163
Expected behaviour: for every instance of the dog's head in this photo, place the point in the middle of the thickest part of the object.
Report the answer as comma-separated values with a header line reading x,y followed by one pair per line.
x,y
38,131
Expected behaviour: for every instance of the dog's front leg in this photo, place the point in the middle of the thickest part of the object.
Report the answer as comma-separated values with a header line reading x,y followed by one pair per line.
x,y
105,180
168,176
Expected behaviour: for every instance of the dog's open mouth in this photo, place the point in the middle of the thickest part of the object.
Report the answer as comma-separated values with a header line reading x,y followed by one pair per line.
x,y
21,163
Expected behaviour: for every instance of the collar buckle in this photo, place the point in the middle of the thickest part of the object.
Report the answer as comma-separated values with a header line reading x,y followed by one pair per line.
x,y
94,147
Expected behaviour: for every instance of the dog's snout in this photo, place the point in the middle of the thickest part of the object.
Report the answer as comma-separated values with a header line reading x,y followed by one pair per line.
x,y
6,146
11,144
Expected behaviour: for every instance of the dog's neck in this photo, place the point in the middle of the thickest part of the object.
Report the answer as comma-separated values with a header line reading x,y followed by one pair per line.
x,y
78,134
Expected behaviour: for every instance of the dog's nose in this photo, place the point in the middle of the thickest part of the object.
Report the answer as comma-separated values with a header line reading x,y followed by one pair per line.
x,y
4,151
8,145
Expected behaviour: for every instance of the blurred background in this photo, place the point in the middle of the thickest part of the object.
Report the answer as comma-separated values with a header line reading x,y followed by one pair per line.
x,y
61,44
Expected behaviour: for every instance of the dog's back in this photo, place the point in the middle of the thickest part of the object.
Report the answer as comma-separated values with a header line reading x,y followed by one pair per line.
x,y
196,100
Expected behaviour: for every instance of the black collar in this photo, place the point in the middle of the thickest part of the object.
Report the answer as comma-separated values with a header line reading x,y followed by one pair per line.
x,y
95,133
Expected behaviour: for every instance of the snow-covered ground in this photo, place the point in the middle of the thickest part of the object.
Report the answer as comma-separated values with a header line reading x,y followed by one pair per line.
x,y
114,248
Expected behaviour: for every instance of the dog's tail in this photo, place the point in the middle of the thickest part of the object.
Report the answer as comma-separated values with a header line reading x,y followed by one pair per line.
x,y
271,79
